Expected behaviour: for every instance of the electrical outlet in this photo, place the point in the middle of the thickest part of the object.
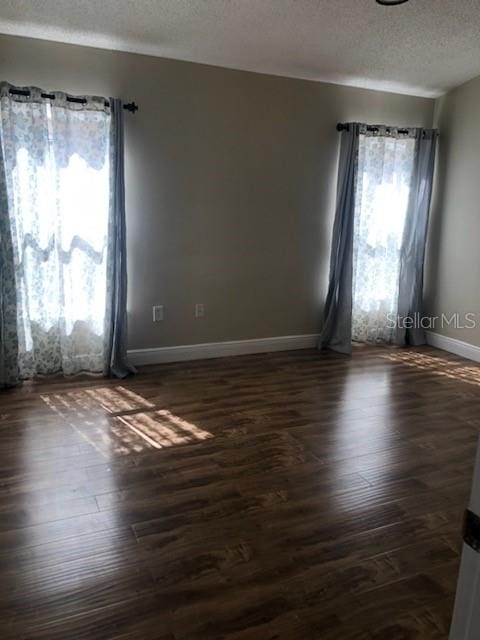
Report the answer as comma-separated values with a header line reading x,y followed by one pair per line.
x,y
199,310
157,312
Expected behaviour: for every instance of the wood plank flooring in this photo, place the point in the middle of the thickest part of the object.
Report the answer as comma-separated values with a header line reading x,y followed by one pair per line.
x,y
288,496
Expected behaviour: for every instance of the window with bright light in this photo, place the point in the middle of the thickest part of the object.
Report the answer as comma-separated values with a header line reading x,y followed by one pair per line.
x,y
385,168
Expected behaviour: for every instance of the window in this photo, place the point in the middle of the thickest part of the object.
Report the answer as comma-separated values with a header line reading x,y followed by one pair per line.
x,y
62,235
385,168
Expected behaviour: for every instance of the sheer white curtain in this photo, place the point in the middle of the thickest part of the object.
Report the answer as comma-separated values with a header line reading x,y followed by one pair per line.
x,y
384,175
57,213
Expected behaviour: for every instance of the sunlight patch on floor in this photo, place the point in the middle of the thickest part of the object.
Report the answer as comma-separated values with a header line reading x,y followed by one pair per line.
x,y
163,429
130,425
110,399
453,369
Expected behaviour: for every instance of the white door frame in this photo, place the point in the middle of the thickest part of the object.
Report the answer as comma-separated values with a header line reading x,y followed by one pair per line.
x,y
466,615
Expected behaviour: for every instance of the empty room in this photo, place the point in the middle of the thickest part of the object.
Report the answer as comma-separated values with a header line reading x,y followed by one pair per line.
x,y
239,320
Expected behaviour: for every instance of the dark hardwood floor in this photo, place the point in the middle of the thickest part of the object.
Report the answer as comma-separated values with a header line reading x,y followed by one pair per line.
x,y
297,496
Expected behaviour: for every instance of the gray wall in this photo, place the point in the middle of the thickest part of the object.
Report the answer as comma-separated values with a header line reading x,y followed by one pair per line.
x,y
230,185
453,257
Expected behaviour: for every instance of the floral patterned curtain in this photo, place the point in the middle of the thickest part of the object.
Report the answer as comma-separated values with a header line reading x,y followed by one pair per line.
x,y
384,175
57,232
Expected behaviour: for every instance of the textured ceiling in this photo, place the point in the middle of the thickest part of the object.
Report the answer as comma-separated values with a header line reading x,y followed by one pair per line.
x,y
423,47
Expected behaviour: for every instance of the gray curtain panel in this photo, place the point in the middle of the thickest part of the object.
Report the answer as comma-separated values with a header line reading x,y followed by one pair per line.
x,y
8,293
412,253
336,332
119,365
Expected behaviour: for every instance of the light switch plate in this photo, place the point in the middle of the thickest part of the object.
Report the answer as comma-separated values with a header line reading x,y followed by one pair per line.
x,y
157,312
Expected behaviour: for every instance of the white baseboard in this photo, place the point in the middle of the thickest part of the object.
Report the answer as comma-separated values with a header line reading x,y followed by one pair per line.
x,y
453,345
159,355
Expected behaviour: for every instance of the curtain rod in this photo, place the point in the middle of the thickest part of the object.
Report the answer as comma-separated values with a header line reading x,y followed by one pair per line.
x,y
129,106
341,126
